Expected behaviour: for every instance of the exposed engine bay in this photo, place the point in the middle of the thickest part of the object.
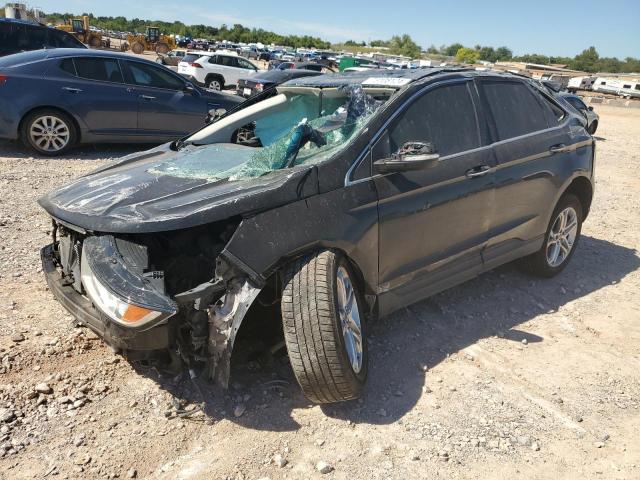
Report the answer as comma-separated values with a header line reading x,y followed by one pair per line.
x,y
210,297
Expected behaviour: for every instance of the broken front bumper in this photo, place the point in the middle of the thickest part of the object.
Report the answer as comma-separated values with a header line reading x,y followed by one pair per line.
x,y
120,338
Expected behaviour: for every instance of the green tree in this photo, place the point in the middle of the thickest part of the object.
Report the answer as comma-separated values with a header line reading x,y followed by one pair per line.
x,y
503,54
587,60
452,49
433,50
487,53
404,45
379,43
467,55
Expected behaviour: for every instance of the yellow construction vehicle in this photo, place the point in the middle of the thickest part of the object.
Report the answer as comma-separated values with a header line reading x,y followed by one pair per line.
x,y
79,28
151,40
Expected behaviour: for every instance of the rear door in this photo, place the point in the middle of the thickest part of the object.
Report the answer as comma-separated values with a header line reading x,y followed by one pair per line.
x,y
434,222
531,145
165,108
94,90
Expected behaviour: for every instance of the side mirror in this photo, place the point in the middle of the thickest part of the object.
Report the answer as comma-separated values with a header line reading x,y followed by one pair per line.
x,y
189,88
412,156
215,114
590,108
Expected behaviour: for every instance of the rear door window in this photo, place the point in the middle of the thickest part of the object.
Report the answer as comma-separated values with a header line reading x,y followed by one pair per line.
x,y
101,69
514,107
190,58
227,61
67,65
445,117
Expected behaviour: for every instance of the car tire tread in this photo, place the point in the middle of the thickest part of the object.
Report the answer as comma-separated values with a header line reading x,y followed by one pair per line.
x,y
312,333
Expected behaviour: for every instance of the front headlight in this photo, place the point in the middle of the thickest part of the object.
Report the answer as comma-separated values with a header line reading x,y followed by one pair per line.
x,y
118,307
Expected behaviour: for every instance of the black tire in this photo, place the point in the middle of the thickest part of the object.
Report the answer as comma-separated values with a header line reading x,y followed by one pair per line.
x,y
313,330
137,48
34,117
162,47
214,82
538,264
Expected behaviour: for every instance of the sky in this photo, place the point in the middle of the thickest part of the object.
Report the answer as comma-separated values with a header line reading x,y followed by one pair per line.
x,y
551,27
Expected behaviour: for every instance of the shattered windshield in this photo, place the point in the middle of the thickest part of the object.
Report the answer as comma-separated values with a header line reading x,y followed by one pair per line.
x,y
310,127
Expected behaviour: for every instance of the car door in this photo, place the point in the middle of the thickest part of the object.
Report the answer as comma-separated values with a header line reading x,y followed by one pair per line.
x,y
245,68
228,68
434,222
166,108
94,90
530,145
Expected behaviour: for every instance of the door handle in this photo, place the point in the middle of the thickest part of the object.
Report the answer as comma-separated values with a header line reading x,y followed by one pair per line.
x,y
147,97
559,148
71,89
478,171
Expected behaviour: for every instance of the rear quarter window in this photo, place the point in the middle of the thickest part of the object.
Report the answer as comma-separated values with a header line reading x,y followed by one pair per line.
x,y
516,110
190,58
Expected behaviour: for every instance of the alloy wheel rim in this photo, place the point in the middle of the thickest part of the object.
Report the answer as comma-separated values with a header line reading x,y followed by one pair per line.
x,y
349,319
49,133
562,237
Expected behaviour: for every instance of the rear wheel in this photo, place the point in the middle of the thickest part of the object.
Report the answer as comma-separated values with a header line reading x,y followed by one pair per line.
x,y
561,239
214,83
49,132
95,42
323,327
137,48
162,48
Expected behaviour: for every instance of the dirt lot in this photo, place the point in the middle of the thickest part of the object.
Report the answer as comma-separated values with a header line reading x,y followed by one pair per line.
x,y
502,377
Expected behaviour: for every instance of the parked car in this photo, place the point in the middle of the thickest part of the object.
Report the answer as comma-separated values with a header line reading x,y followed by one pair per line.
x,y
217,70
172,58
326,202
250,86
587,112
20,36
265,56
93,96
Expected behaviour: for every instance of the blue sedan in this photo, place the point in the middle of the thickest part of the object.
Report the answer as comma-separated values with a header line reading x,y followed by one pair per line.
x,y
55,99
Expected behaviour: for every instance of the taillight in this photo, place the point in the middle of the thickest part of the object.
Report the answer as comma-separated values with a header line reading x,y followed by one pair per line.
x,y
3,78
259,87
196,65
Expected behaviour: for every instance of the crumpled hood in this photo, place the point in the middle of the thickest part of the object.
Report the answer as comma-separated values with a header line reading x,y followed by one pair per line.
x,y
139,194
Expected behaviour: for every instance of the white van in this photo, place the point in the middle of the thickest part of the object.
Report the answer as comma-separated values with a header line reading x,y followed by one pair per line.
x,y
580,83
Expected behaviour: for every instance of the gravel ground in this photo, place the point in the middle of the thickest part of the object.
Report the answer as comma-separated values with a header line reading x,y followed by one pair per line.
x,y
501,377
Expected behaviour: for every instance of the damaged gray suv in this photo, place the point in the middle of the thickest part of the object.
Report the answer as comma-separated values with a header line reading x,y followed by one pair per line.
x,y
333,200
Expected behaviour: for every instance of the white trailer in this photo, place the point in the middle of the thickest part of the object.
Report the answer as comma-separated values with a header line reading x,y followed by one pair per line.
x,y
630,89
607,85
581,83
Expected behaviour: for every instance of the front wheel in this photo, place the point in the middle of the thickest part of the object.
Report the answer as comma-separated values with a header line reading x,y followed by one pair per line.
x,y
561,239
49,132
323,327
